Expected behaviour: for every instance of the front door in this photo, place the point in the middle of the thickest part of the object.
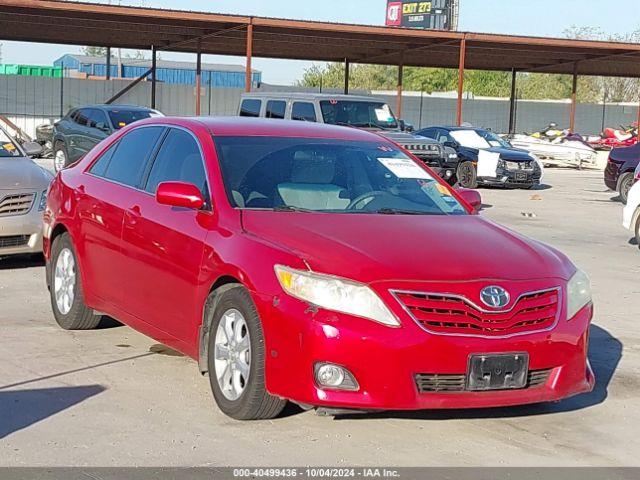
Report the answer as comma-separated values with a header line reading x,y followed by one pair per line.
x,y
164,245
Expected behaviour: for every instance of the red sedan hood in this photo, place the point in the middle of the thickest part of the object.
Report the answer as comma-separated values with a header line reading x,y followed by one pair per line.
x,y
369,248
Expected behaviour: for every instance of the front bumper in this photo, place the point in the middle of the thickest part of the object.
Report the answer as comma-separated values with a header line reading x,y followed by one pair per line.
x,y
21,234
513,178
385,361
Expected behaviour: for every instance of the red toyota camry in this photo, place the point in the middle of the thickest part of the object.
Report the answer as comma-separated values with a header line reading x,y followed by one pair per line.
x,y
312,263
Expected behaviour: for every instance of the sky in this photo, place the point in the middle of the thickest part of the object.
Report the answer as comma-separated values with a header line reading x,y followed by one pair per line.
x,y
519,17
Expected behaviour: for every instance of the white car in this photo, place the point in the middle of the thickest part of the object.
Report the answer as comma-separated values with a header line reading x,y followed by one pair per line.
x,y
631,215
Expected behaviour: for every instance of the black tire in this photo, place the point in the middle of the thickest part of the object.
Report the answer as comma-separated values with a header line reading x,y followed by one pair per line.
x,y
625,182
79,317
62,148
255,403
638,230
467,175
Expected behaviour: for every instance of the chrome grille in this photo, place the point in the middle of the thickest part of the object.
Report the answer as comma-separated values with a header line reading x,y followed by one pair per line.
x,y
14,241
448,314
16,204
439,382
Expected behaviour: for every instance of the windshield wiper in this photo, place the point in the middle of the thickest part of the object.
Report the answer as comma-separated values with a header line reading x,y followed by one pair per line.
x,y
289,208
400,211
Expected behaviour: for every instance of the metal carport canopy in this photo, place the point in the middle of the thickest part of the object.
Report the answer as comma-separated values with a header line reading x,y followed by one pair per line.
x,y
51,21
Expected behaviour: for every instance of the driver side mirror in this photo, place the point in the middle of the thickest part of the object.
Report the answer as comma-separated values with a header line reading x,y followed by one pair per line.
x,y
472,197
32,149
180,194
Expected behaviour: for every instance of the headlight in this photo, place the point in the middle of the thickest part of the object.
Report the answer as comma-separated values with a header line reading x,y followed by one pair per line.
x,y
335,294
43,201
453,155
578,293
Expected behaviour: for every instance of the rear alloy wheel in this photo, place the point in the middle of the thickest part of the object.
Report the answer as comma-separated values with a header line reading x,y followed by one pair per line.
x,y
59,157
67,298
237,357
624,186
467,175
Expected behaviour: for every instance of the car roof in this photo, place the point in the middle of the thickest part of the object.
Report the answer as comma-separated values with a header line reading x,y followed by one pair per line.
x,y
262,127
311,96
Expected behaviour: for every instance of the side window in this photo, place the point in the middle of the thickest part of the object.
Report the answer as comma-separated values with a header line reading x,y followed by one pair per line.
x,y
443,136
276,109
429,133
250,108
129,160
178,160
81,117
303,111
96,117
99,168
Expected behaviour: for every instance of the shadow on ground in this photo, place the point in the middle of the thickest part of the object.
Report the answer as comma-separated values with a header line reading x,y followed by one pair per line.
x,y
23,408
17,262
605,353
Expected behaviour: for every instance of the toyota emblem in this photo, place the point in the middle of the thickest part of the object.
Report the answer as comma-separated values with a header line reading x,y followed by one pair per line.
x,y
496,297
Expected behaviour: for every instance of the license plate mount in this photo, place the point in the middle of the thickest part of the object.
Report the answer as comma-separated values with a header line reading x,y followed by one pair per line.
x,y
521,177
497,372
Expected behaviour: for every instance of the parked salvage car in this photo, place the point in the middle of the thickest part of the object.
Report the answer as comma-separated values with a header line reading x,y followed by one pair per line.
x,y
83,128
368,113
312,263
618,175
631,215
23,195
486,158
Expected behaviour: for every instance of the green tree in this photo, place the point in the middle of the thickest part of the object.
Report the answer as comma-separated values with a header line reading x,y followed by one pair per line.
x,y
94,51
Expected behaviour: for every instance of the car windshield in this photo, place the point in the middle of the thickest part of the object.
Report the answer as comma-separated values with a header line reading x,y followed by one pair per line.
x,y
122,118
358,114
480,139
332,176
7,147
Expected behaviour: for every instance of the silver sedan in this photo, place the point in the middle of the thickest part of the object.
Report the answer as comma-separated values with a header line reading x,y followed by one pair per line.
x,y
23,197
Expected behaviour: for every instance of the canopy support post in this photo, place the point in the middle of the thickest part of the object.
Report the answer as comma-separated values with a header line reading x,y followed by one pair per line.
x,y
512,102
198,78
574,99
248,80
347,71
400,86
463,54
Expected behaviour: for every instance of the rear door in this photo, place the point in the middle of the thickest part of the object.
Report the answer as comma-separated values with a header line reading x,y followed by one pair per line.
x,y
105,194
163,246
75,135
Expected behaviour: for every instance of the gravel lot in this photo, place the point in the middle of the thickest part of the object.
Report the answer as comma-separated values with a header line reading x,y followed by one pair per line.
x,y
113,398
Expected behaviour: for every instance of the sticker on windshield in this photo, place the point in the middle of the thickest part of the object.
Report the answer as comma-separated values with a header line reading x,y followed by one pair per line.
x,y
405,168
383,114
9,147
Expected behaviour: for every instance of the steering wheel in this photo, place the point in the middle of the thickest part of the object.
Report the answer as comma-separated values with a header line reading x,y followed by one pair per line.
x,y
365,196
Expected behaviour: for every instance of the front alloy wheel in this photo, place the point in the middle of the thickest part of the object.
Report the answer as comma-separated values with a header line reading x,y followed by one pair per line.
x,y
64,281
232,354
236,356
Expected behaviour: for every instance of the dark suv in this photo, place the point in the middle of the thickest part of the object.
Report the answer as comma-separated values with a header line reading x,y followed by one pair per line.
x,y
84,127
622,163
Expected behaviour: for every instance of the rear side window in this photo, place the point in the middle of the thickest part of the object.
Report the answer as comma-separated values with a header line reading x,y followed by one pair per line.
x,y
303,111
276,109
82,117
178,160
128,161
99,168
96,117
250,108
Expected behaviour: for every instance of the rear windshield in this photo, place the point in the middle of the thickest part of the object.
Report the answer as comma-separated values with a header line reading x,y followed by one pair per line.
x,y
7,147
331,176
358,114
122,118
